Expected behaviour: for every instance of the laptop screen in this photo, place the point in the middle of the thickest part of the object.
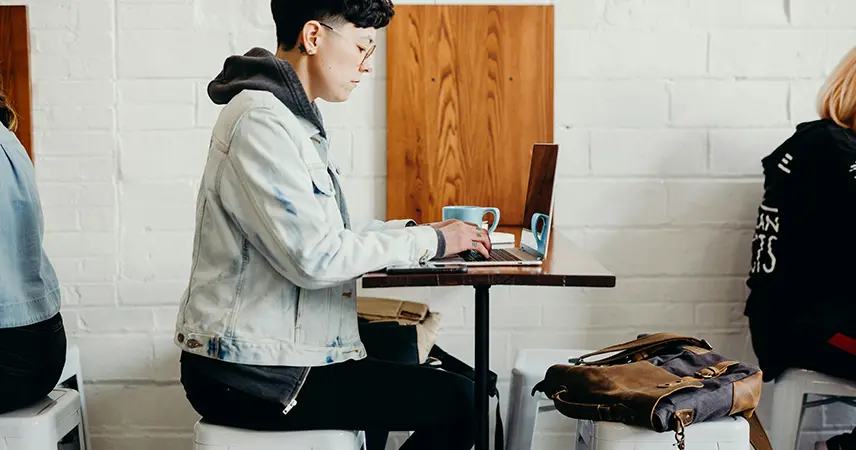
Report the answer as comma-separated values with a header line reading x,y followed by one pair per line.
x,y
542,175
539,195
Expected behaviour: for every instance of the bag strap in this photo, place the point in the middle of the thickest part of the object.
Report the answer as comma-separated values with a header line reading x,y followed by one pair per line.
x,y
455,365
591,411
640,345
715,370
498,433
757,436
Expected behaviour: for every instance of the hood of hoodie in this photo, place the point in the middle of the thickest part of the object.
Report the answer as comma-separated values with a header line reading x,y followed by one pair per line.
x,y
261,70
835,141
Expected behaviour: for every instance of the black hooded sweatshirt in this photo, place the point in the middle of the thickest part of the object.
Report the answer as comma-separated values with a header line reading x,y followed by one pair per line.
x,y
804,244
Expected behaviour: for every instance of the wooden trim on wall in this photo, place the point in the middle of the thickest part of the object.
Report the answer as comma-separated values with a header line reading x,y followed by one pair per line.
x,y
15,69
469,91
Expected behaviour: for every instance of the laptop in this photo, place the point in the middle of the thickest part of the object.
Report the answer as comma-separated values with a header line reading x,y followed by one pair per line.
x,y
535,239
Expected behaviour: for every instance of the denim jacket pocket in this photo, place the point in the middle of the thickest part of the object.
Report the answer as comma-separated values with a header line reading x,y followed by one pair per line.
x,y
321,181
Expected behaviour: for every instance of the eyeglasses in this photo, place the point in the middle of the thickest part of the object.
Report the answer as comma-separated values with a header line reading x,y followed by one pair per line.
x,y
367,51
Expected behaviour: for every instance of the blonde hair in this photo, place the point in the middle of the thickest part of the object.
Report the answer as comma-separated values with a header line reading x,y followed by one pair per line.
x,y
7,115
837,98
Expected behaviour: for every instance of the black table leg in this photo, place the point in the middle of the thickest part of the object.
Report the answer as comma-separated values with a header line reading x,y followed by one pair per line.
x,y
482,353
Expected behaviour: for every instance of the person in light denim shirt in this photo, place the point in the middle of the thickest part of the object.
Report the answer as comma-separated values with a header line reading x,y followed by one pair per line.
x,y
32,338
268,323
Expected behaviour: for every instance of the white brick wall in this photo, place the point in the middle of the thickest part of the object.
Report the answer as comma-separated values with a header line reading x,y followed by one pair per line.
x,y
663,110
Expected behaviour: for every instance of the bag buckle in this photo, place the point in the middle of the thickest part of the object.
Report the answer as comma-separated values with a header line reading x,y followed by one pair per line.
x,y
680,441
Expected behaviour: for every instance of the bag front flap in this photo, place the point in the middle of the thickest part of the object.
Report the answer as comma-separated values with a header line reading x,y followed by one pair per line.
x,y
389,341
642,348
633,390
389,309
729,386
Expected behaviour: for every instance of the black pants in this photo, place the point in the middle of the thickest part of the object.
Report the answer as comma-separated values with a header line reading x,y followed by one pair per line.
x,y
828,350
369,395
31,362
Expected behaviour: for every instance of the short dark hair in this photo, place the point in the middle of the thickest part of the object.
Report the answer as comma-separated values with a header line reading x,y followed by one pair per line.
x,y
291,15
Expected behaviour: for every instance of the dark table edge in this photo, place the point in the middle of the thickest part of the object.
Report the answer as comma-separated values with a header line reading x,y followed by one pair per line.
x,y
590,281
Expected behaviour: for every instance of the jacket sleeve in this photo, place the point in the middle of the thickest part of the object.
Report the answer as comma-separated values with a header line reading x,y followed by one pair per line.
x,y
378,225
267,189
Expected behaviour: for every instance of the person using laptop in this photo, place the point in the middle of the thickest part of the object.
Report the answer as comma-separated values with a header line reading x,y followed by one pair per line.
x,y
268,324
32,336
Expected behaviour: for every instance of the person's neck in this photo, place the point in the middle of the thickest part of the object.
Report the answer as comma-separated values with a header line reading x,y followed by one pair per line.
x,y
300,63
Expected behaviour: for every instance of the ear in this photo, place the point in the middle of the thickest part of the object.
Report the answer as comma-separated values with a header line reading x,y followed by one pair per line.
x,y
308,41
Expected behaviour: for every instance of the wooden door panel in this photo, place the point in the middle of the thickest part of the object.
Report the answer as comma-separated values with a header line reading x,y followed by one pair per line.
x,y
15,69
469,91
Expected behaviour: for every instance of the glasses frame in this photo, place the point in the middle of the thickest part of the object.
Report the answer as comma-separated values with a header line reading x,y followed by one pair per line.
x,y
369,51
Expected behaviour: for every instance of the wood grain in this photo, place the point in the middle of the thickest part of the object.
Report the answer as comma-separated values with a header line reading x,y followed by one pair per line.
x,y
469,91
567,265
15,69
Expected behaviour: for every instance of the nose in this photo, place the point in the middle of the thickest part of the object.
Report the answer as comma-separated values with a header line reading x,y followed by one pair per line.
x,y
367,66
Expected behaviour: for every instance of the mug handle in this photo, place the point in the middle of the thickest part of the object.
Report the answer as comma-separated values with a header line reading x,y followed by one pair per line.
x,y
495,223
540,238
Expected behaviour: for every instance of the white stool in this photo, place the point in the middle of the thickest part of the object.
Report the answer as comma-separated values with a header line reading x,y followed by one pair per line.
x,y
789,401
727,433
43,425
529,369
215,437
72,378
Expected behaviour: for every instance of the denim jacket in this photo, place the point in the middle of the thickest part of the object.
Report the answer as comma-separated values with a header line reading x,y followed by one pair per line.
x,y
274,267
29,291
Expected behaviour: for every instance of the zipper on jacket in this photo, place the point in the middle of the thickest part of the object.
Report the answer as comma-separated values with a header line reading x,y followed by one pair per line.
x,y
293,401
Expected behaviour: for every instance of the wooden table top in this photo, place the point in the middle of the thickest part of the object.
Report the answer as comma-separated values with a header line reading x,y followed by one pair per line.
x,y
567,265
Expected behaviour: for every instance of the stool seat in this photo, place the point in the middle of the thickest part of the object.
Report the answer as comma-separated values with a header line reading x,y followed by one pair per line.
x,y
211,437
42,425
727,433
817,383
789,401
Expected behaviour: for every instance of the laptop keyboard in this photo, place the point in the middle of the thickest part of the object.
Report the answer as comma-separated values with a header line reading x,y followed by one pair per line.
x,y
495,255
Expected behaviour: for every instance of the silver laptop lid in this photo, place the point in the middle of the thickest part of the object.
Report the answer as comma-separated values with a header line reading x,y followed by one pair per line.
x,y
538,212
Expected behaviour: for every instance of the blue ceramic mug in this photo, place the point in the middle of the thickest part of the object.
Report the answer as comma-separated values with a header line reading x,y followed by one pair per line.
x,y
541,236
472,214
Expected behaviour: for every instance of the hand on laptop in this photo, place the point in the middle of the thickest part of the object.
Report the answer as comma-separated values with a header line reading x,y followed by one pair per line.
x,y
443,223
462,236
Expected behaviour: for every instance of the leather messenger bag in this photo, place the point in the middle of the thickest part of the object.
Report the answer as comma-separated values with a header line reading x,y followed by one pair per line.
x,y
663,382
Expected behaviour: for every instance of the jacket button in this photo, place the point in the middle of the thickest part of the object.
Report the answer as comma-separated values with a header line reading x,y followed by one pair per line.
x,y
193,343
180,338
